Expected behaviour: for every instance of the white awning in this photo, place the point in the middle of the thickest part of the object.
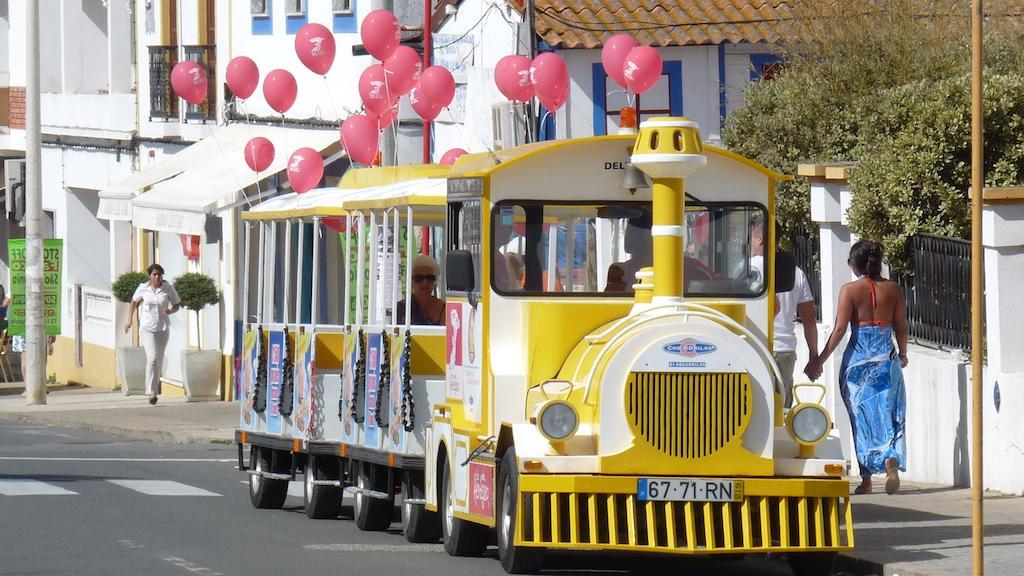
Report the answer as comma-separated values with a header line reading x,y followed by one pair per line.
x,y
212,175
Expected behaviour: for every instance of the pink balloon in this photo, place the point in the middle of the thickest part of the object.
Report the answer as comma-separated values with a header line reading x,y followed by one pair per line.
x,y
374,90
259,154
550,78
613,55
512,75
386,119
314,45
642,69
360,138
380,34
422,105
189,81
403,68
438,85
280,90
451,156
553,102
243,76
305,169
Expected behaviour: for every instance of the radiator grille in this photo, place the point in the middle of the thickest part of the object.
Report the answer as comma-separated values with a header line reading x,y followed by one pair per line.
x,y
758,523
686,414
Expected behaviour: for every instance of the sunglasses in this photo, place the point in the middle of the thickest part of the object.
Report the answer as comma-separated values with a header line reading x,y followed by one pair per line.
x,y
424,278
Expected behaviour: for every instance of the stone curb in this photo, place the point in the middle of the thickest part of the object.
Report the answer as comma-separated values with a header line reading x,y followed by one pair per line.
x,y
160,436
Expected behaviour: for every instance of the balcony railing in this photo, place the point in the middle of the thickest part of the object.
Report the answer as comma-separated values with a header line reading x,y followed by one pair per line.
x,y
163,102
206,56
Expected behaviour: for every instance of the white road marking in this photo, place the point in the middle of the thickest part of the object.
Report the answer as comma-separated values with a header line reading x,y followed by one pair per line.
x,y
162,488
190,566
375,547
296,489
24,487
37,459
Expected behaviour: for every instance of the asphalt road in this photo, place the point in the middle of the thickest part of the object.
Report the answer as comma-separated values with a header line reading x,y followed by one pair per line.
x,y
76,502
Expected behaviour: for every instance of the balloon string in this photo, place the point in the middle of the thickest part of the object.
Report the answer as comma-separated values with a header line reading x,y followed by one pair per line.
x,y
211,134
330,98
248,123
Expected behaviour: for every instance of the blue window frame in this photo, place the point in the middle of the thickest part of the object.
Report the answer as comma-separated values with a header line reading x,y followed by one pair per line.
x,y
671,68
345,21
263,25
295,16
760,62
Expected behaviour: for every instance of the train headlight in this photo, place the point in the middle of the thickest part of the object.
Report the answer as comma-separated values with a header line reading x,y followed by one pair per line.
x,y
557,420
808,423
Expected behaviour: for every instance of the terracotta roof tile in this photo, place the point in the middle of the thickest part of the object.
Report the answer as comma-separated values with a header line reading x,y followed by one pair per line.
x,y
588,23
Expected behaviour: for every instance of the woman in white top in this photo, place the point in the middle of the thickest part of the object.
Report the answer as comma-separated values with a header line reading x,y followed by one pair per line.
x,y
158,299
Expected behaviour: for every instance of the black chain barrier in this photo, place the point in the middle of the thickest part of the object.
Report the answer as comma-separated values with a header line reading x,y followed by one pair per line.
x,y
384,382
286,402
360,379
259,395
408,404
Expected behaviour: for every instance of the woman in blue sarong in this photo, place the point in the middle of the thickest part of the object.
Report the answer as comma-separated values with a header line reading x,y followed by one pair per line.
x,y
871,375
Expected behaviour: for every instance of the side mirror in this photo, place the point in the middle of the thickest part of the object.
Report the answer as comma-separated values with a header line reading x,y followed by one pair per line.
x,y
459,273
785,271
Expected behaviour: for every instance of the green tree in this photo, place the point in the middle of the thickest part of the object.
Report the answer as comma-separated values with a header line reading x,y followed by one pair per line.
x,y
197,291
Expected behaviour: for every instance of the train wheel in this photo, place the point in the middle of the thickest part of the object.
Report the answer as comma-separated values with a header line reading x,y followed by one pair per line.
x,y
265,492
418,523
372,514
321,501
514,559
812,563
461,537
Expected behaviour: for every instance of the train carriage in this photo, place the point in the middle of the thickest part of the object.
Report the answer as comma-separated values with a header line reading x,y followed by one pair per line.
x,y
602,379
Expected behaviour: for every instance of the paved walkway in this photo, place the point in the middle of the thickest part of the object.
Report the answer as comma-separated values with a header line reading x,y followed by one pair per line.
x,y
923,531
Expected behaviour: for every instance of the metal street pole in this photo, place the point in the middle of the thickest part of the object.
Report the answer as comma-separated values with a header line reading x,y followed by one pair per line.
x,y
35,346
977,280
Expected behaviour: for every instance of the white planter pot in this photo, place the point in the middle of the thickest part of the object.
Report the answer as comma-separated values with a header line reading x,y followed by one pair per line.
x,y
131,369
201,370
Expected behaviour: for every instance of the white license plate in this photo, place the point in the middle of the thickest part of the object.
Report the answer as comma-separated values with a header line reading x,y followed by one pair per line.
x,y
689,489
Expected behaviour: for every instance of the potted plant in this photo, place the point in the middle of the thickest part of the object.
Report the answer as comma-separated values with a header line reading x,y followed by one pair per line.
x,y
131,360
200,368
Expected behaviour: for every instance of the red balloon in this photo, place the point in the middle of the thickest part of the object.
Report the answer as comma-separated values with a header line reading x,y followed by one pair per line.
x,y
314,45
243,76
380,34
386,119
336,223
280,90
550,78
259,154
374,89
512,76
189,81
613,55
422,105
438,85
305,169
452,155
403,69
360,138
642,69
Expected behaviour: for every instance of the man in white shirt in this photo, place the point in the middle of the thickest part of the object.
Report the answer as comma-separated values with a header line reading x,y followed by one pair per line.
x,y
798,300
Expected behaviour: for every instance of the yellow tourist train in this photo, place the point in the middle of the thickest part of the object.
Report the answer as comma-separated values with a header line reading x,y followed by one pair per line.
x,y
520,343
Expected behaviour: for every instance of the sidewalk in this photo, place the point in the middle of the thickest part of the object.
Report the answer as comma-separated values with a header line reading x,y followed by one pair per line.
x,y
923,531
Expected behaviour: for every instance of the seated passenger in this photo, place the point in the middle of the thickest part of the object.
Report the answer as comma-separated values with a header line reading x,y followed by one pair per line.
x,y
637,242
616,281
427,309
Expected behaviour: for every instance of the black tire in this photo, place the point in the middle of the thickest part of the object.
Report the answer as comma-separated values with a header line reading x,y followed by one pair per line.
x,y
265,493
514,559
418,524
321,501
812,563
461,537
372,514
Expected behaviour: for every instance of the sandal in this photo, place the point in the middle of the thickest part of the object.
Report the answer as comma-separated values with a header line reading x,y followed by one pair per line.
x,y
865,486
152,400
892,476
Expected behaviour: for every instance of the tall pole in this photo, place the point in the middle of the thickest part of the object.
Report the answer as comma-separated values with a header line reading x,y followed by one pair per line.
x,y
977,280
35,347
428,49
387,136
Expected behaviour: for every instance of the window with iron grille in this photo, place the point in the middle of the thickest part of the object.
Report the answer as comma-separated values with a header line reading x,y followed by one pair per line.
x,y
259,7
295,7
163,103
342,6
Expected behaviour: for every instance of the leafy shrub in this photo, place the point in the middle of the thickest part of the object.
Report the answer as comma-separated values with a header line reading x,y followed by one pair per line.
x,y
197,291
126,284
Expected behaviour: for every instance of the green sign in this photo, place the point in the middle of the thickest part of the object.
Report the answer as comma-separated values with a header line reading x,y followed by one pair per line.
x,y
52,254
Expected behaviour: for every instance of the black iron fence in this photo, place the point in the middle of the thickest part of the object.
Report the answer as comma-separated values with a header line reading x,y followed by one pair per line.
x,y
163,103
807,251
206,56
937,286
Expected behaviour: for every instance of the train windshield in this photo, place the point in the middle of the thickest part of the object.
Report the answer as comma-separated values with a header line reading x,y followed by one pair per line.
x,y
597,249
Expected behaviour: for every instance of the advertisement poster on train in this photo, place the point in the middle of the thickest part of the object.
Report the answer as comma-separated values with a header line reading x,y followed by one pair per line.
x,y
396,426
274,373
302,399
453,347
348,383
250,360
370,429
471,386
